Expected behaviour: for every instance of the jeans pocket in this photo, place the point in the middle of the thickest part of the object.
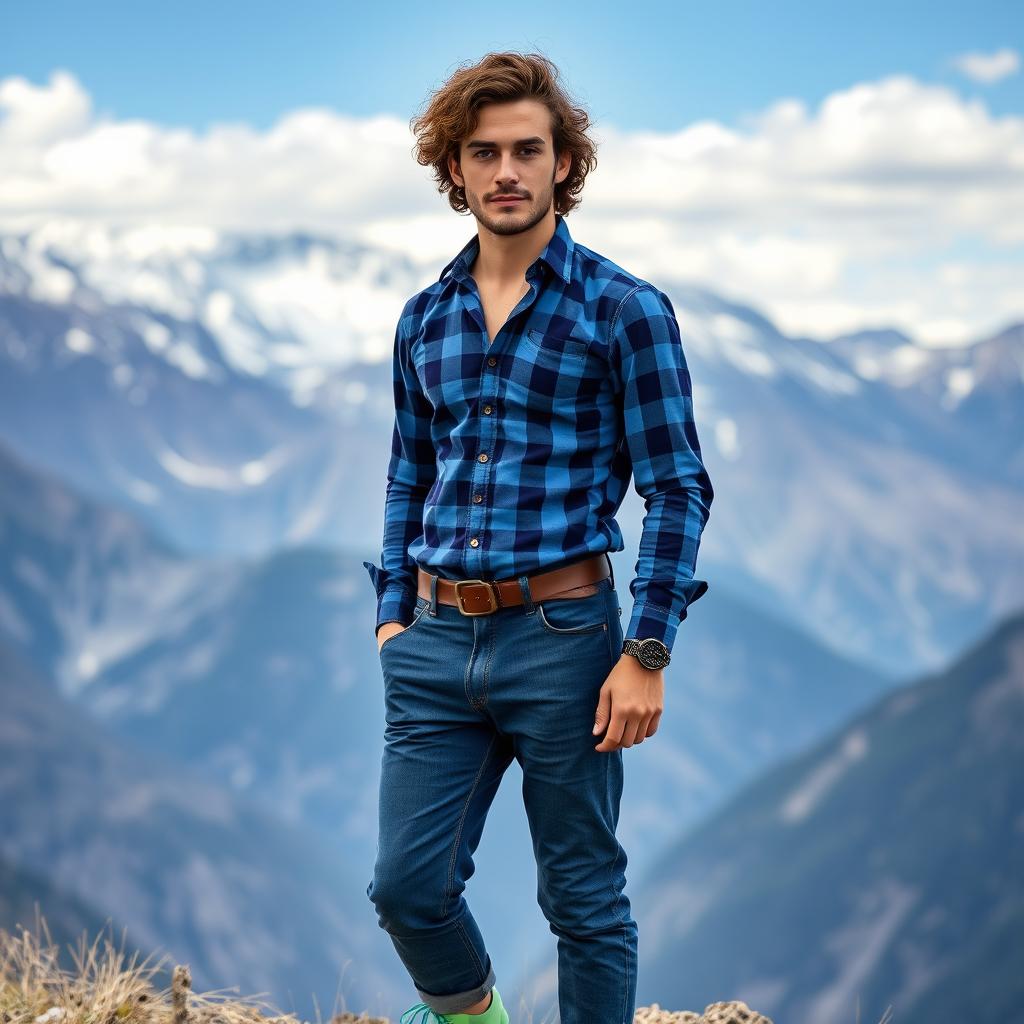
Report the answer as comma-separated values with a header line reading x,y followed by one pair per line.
x,y
422,604
570,616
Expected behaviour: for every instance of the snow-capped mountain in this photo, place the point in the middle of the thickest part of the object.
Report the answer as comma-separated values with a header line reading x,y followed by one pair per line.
x,y
235,391
855,499
287,310
131,373
968,400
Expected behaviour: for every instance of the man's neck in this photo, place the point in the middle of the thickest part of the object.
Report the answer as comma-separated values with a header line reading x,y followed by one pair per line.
x,y
501,260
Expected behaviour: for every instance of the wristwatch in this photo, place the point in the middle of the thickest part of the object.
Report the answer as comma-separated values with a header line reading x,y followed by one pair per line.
x,y
650,653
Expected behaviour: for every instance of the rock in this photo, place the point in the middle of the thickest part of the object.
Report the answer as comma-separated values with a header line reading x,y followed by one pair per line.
x,y
715,1013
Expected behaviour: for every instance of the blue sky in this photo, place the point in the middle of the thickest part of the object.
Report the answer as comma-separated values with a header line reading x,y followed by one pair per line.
x,y
851,166
652,66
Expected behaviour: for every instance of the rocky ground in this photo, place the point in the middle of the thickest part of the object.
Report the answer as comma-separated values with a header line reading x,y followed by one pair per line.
x,y
105,989
716,1013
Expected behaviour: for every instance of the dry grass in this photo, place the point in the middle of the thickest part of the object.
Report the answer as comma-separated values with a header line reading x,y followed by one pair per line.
x,y
106,988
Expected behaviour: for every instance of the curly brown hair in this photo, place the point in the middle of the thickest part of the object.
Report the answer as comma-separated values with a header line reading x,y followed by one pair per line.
x,y
452,113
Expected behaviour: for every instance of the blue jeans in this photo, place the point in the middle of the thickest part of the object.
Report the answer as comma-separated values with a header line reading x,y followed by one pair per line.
x,y
463,696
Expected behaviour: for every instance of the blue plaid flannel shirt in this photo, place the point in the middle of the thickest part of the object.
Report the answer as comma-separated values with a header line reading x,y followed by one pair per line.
x,y
512,455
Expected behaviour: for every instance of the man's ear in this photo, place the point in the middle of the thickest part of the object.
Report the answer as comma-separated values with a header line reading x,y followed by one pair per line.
x,y
568,168
455,169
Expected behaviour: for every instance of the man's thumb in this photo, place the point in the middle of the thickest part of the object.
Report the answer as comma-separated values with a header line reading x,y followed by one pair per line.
x,y
601,719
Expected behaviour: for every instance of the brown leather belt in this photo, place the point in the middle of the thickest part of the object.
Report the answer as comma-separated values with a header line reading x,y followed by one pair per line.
x,y
482,597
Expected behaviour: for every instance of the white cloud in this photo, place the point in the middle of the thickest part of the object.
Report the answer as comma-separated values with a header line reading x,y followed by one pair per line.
x,y
987,67
893,202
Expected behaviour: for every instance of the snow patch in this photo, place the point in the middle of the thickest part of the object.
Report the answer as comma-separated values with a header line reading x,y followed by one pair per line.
x,y
253,473
50,283
182,355
242,347
802,801
727,438
77,340
960,383
859,947
156,335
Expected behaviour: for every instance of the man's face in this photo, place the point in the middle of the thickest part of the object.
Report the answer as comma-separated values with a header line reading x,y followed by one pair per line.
x,y
510,153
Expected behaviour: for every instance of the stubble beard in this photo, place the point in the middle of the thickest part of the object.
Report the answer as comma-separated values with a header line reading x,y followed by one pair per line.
x,y
516,221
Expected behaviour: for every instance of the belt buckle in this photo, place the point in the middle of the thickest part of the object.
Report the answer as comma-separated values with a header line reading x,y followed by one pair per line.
x,y
490,591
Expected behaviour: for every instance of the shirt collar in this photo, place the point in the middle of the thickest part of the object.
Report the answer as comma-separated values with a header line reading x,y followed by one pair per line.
x,y
557,254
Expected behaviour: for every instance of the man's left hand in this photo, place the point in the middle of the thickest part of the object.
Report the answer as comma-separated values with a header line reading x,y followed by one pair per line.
x,y
632,699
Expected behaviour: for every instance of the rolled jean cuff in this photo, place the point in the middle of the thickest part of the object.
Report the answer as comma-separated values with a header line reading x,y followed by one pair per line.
x,y
458,1002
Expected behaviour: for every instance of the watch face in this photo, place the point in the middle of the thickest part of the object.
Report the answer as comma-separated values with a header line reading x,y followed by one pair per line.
x,y
653,654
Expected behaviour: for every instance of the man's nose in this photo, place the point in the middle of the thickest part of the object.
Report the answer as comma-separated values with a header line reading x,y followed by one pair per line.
x,y
507,172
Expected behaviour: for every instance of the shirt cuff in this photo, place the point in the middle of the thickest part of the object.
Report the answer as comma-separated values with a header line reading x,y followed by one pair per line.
x,y
651,620
392,606
395,601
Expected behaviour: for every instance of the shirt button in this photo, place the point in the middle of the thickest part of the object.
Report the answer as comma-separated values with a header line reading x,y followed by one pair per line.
x,y
491,361
478,498
487,410
482,456
474,543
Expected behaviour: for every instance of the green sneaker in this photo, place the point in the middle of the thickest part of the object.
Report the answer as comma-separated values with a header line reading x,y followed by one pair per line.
x,y
423,1014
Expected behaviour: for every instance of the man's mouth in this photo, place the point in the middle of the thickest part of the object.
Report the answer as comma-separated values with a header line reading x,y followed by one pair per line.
x,y
508,199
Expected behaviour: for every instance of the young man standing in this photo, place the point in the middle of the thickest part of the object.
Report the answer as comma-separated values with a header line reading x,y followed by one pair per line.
x,y
531,381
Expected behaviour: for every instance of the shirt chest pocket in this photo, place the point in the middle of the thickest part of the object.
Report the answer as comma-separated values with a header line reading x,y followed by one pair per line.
x,y
555,365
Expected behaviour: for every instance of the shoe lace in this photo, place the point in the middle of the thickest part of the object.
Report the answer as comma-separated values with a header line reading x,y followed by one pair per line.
x,y
429,1016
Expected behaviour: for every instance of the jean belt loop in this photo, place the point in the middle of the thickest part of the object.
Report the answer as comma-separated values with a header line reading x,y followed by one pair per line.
x,y
524,586
433,594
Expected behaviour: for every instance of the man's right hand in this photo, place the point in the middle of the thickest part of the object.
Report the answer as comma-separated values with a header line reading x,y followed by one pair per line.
x,y
386,631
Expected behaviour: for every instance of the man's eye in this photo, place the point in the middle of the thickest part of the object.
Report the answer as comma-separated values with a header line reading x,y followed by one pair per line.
x,y
532,150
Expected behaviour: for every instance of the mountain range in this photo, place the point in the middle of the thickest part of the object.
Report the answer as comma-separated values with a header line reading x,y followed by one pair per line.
x,y
234,391
262,676
194,430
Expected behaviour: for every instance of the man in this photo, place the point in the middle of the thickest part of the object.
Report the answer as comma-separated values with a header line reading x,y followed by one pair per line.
x,y
531,380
